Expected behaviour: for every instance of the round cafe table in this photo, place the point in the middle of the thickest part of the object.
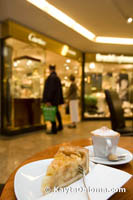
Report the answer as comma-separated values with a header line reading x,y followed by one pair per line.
x,y
125,142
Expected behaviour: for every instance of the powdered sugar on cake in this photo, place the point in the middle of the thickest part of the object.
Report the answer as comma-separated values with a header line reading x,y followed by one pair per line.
x,y
104,131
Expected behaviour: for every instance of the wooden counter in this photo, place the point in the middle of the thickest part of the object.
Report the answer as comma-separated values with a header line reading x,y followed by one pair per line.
x,y
27,112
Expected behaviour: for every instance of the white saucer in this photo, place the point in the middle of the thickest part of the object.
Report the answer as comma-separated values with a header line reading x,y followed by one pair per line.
x,y
119,151
28,179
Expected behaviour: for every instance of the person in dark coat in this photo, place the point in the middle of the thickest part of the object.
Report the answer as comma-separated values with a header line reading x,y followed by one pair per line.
x,y
52,95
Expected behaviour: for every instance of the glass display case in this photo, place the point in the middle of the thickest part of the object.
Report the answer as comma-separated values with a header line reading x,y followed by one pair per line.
x,y
24,60
23,84
101,76
26,69
27,78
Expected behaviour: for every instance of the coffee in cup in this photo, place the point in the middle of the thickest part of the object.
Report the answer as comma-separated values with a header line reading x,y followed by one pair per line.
x,y
105,141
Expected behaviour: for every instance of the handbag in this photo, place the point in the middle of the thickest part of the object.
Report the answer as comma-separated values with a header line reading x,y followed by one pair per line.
x,y
67,111
49,113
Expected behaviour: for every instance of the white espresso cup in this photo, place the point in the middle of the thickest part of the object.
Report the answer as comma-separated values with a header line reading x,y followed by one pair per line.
x,y
105,142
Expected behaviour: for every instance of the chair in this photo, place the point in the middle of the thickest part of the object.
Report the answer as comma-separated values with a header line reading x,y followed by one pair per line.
x,y
1,188
117,114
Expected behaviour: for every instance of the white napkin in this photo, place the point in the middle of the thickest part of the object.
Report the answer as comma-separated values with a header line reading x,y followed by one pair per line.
x,y
106,180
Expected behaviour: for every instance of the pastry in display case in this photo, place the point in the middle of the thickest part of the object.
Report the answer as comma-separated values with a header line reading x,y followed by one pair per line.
x,y
26,79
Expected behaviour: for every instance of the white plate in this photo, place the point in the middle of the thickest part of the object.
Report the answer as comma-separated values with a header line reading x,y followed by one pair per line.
x,y
119,151
28,179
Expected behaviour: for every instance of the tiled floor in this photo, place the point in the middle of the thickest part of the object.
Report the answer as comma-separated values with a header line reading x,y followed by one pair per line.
x,y
14,150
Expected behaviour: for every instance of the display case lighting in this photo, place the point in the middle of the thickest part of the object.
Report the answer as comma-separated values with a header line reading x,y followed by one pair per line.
x,y
68,60
67,67
15,64
85,79
93,88
29,62
92,66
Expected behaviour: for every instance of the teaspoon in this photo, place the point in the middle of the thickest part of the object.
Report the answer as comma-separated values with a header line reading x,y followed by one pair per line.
x,y
114,157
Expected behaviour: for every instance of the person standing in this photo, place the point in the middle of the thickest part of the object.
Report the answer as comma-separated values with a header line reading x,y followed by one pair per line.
x,y
73,102
53,96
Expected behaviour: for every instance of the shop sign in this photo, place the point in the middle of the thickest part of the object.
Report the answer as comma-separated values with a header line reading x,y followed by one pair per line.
x,y
66,50
32,37
114,58
72,52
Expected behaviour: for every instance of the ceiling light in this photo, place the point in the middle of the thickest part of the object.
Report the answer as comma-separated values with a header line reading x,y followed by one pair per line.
x,y
113,40
68,21
62,17
129,20
83,31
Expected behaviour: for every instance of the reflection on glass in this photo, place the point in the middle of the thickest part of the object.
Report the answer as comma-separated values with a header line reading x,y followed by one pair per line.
x,y
101,76
26,68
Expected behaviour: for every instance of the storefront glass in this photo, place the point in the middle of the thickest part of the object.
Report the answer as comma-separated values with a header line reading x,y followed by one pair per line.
x,y
25,70
1,63
102,76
